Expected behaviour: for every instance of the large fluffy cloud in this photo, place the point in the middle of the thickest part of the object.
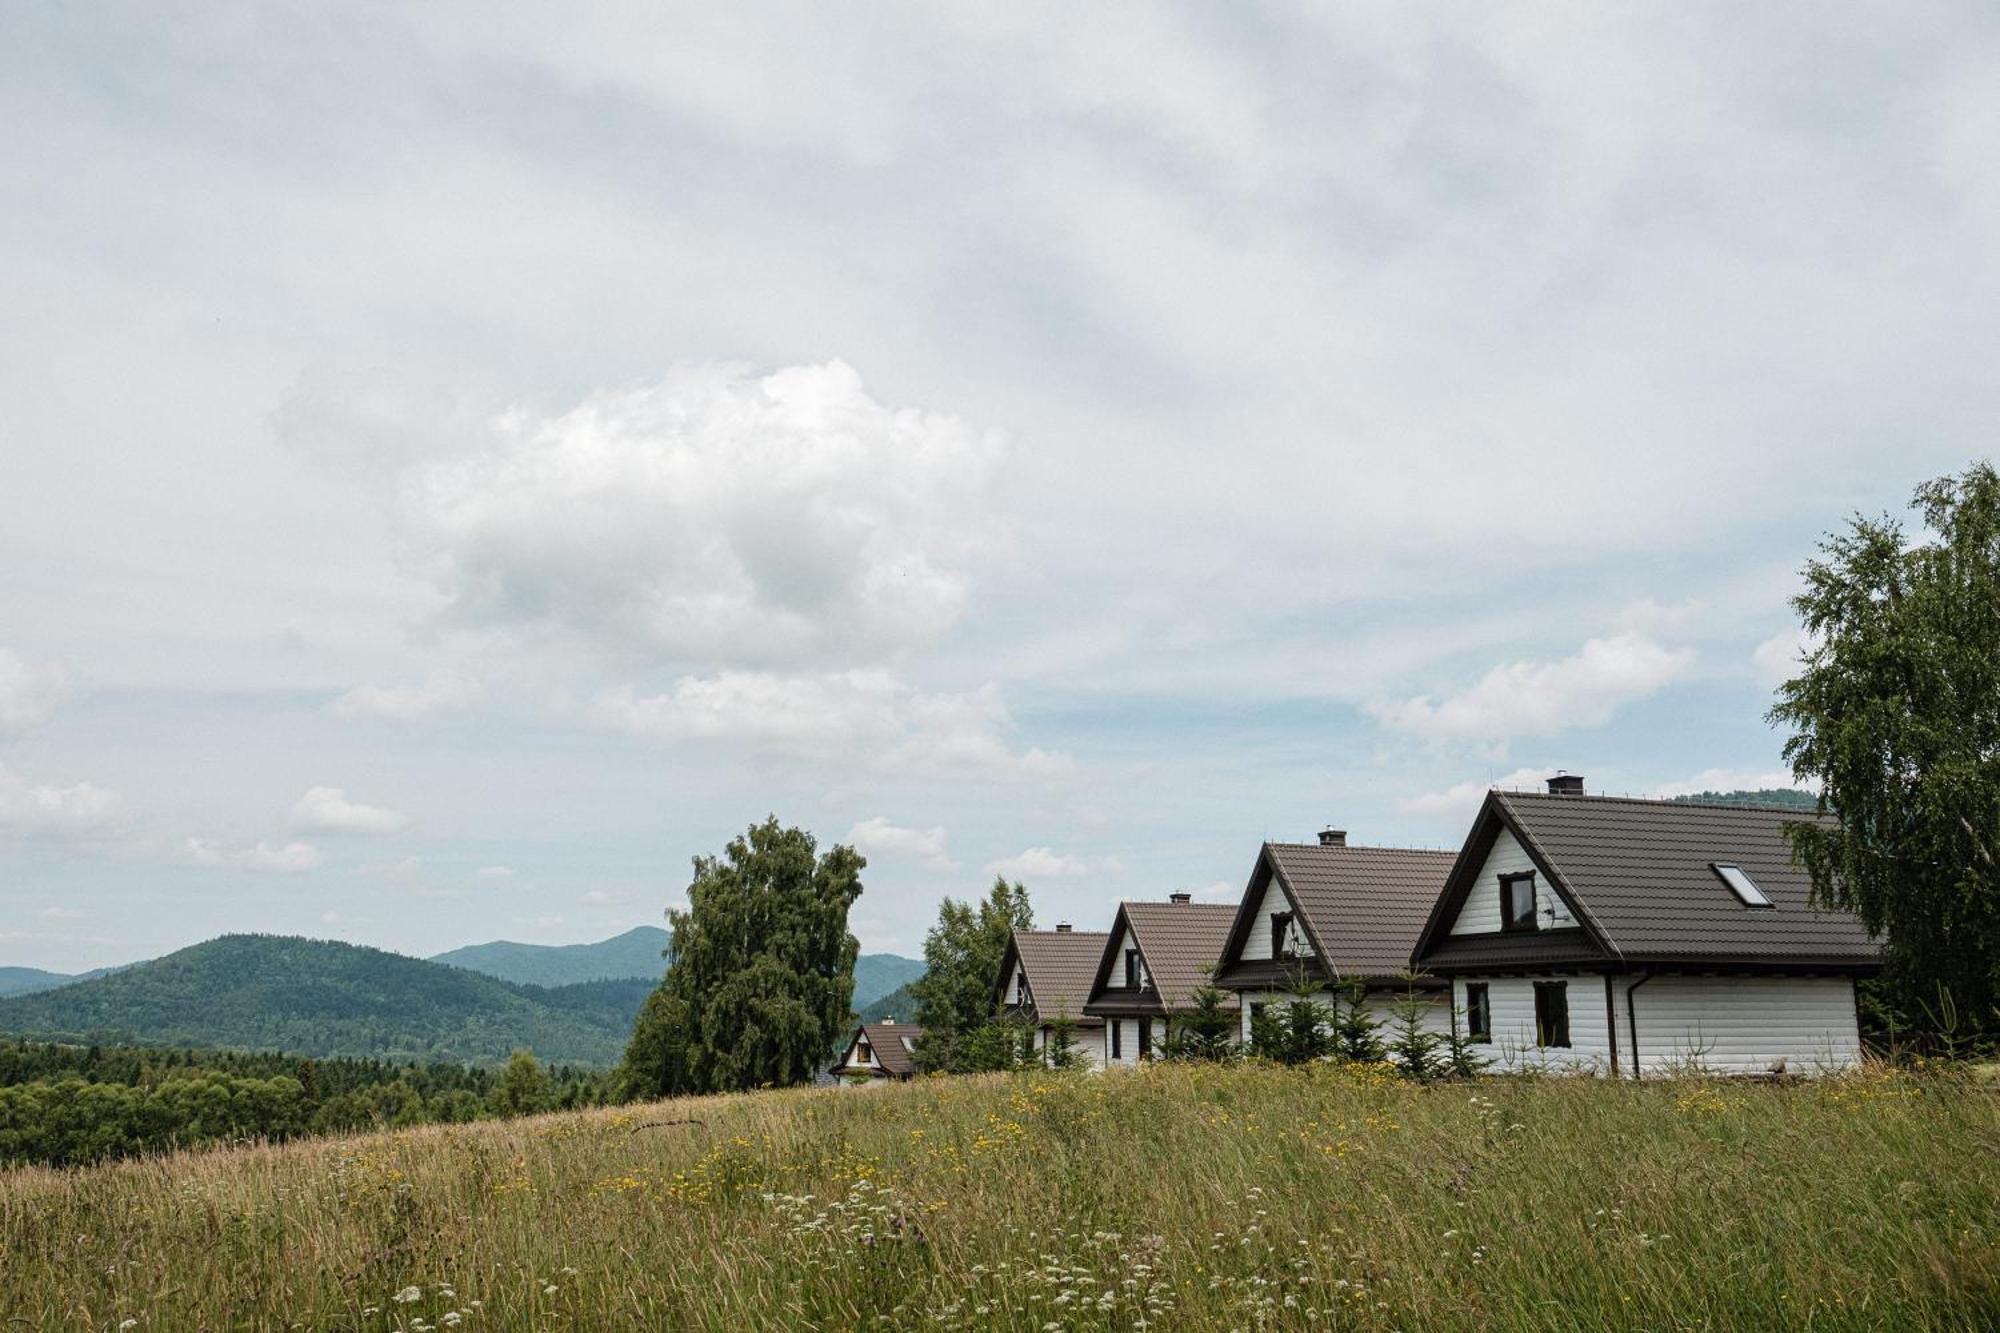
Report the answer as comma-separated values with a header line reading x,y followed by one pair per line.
x,y
1541,698
878,837
713,517
279,858
27,805
327,810
869,717
30,692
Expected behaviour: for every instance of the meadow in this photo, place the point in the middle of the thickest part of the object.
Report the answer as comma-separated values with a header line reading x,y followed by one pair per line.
x,y
1175,1197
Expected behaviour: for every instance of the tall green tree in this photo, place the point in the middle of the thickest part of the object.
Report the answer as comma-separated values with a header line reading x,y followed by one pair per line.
x,y
760,972
1895,715
962,957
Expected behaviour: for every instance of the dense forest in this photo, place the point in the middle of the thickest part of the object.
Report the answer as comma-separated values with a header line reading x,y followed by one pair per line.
x,y
63,1105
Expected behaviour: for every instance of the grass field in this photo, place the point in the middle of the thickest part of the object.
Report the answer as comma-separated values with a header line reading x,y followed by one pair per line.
x,y
1169,1198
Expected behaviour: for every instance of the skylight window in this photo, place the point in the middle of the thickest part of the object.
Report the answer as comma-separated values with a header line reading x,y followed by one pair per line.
x,y
1741,885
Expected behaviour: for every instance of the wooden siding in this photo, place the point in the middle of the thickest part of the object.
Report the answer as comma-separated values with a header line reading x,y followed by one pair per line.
x,y
1089,1043
1721,1025
1117,978
1511,1008
1747,1025
1257,945
1481,913
1381,1006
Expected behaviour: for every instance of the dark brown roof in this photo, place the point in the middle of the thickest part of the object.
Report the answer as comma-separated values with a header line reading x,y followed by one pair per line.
x,y
887,1041
1060,965
1362,907
1640,875
1180,943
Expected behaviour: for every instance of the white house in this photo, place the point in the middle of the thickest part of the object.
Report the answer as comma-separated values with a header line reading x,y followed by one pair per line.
x,y
1046,976
877,1051
1623,936
1157,956
1328,913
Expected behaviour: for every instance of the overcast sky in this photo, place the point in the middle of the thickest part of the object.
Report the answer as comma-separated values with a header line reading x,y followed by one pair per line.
x,y
459,462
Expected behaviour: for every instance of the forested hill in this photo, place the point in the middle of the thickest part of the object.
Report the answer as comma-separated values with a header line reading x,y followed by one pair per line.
x,y
1787,796
324,998
636,953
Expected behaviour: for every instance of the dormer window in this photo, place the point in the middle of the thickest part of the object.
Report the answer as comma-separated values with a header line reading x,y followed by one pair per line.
x,y
1517,901
1740,884
1131,969
1281,935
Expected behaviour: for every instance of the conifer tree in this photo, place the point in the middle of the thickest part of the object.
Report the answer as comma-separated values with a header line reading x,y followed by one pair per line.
x,y
962,957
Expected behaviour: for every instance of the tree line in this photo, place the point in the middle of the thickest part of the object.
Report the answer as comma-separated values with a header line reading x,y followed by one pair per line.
x,y
70,1105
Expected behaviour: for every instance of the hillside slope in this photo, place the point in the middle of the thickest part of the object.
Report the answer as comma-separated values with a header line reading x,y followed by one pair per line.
x,y
636,953
320,997
878,974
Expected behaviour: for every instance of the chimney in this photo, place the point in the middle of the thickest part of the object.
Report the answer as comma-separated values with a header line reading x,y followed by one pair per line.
x,y
1566,784
1181,897
889,1022
1333,837
1062,927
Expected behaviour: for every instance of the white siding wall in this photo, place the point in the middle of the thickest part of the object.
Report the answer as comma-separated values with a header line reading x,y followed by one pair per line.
x,y
1747,1025
1258,945
1723,1025
1013,990
1381,1006
1128,1038
1481,913
1087,1042
1511,1006
1117,977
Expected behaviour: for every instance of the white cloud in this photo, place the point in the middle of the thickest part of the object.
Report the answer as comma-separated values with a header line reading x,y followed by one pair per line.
x,y
878,837
1462,800
1047,863
490,873
603,898
873,717
440,692
1736,779
546,922
24,805
285,858
327,810
60,914
1540,698
1778,658
29,693
718,516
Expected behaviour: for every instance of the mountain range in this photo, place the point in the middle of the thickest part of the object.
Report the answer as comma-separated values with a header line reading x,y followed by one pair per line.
x,y
568,1003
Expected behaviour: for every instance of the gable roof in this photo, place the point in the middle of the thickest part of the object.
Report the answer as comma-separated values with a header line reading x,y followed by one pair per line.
x,y
1639,875
886,1039
1361,907
1180,943
1061,964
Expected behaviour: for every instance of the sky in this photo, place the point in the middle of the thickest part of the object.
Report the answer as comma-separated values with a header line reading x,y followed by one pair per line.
x,y
458,463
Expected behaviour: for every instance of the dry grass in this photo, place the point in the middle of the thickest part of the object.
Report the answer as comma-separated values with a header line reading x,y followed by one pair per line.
x,y
1169,1198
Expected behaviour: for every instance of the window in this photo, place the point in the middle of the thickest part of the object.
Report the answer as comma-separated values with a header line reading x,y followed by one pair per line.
x,y
1115,1034
1145,1037
1517,901
1020,987
1281,934
1552,1013
1132,969
861,1052
1478,1012
1741,885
